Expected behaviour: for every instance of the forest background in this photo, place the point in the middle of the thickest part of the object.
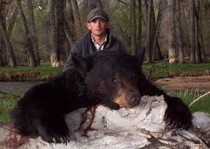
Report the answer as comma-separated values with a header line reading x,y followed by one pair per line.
x,y
33,32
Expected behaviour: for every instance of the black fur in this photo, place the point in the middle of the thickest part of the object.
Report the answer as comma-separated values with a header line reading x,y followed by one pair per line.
x,y
115,71
41,111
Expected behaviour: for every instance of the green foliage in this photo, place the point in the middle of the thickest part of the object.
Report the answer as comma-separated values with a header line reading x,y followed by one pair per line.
x,y
162,69
7,103
188,97
25,73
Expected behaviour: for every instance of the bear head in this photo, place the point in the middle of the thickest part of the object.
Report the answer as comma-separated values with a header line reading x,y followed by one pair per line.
x,y
114,78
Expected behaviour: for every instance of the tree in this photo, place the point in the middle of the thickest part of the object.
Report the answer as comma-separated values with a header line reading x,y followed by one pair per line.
x,y
156,53
77,21
149,16
9,50
33,32
53,35
28,42
10,54
139,33
179,33
171,31
133,25
192,22
57,32
161,26
12,21
94,3
61,56
69,26
3,60
198,58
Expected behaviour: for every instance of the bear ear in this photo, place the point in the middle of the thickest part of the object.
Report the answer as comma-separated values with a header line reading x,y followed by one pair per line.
x,y
140,55
81,63
78,61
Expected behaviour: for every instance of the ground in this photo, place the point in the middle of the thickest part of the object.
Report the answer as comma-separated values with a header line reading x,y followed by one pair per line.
x,y
199,84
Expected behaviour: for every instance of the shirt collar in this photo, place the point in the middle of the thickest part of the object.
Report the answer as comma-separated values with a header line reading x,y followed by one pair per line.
x,y
98,46
93,40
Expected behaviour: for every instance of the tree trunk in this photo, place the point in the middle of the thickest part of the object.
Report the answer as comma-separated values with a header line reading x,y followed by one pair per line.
x,y
68,33
156,53
28,43
203,52
198,58
94,3
78,26
192,22
69,26
139,39
7,54
12,21
171,31
60,32
3,60
33,31
10,54
133,26
53,34
145,11
179,34
149,31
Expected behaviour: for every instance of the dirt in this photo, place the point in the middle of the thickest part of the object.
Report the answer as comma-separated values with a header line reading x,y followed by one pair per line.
x,y
199,84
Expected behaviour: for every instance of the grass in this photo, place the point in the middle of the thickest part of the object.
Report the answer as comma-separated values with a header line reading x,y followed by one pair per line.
x,y
26,73
188,97
7,102
161,69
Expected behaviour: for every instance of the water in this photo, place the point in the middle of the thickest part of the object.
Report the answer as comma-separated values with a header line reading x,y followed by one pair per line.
x,y
16,87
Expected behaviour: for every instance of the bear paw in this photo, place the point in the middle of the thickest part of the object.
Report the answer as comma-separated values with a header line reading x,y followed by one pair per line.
x,y
178,115
54,132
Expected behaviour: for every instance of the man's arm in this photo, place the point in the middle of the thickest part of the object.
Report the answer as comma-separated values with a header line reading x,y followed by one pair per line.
x,y
69,64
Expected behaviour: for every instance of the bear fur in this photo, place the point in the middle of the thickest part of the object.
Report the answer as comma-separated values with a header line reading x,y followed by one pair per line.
x,y
117,79
114,79
41,111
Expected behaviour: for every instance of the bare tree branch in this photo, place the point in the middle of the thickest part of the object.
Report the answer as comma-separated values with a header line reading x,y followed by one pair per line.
x,y
121,1
199,98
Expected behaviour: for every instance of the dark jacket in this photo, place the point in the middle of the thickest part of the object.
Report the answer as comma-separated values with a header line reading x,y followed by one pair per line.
x,y
85,47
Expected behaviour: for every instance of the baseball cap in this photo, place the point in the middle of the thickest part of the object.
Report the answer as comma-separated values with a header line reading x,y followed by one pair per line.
x,y
97,13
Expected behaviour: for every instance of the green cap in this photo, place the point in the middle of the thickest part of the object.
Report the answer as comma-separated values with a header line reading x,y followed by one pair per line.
x,y
97,13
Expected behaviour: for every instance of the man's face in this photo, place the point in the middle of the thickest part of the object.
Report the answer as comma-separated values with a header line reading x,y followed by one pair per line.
x,y
98,27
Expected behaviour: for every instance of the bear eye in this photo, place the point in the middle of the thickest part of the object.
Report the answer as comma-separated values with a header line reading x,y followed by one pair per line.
x,y
134,78
114,80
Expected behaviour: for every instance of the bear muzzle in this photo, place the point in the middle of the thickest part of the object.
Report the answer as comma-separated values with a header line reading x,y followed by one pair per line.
x,y
128,99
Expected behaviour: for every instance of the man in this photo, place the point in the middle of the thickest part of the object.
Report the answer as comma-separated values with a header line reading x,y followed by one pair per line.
x,y
98,38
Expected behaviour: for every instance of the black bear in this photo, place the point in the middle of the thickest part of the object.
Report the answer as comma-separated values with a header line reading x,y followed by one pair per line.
x,y
41,111
117,79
